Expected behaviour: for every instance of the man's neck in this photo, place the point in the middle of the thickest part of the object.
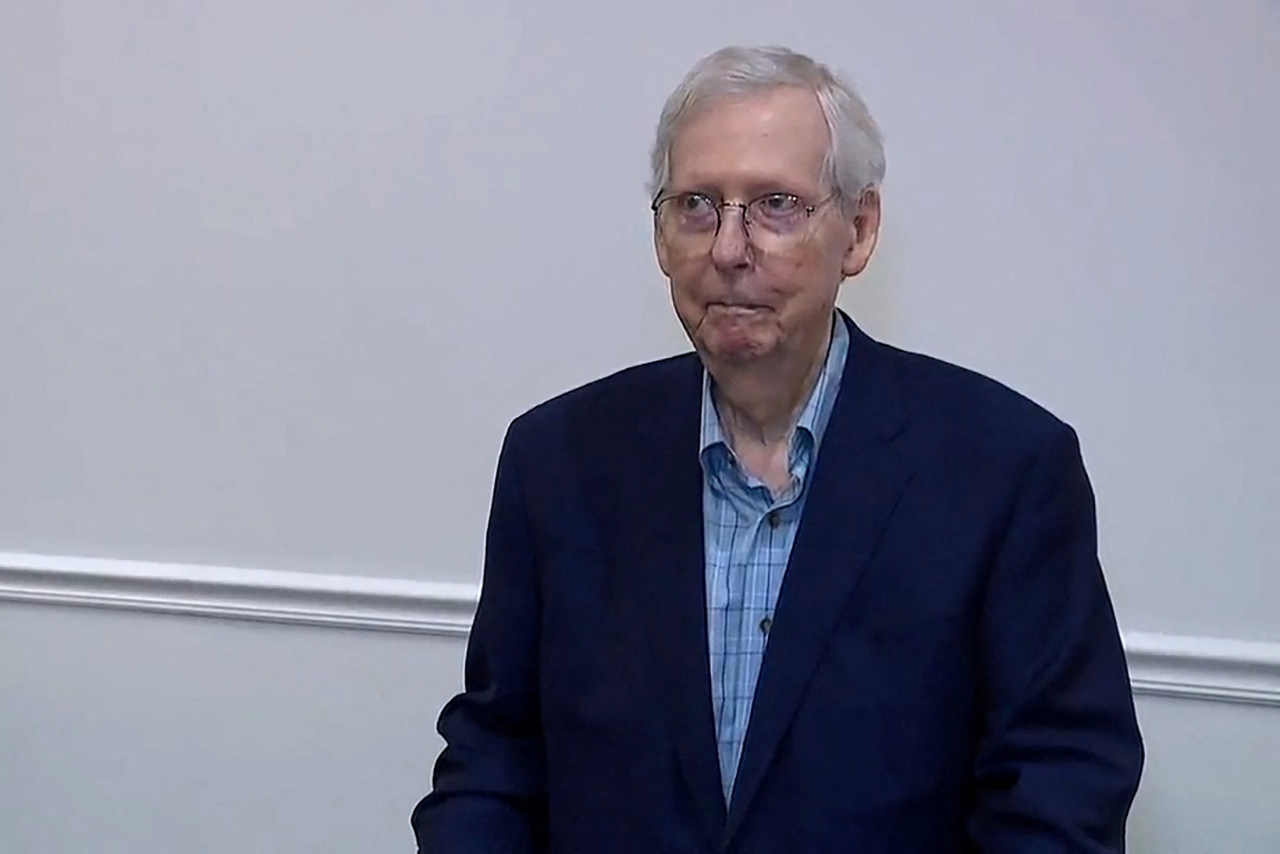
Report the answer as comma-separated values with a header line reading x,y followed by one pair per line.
x,y
760,403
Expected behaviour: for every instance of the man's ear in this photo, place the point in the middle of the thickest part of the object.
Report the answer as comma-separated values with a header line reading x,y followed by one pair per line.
x,y
864,232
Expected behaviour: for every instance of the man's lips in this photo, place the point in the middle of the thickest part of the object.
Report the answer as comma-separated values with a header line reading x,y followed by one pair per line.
x,y
738,307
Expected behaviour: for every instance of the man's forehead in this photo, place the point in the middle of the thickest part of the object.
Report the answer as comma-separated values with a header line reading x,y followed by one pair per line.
x,y
788,109
757,135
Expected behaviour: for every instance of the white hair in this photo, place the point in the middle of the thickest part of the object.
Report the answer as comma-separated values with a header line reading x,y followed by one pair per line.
x,y
854,161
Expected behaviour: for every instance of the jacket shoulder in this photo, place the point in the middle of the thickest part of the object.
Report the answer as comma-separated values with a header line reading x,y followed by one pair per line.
x,y
621,398
966,404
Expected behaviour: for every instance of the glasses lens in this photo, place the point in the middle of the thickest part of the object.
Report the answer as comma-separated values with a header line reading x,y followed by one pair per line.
x,y
689,213
779,213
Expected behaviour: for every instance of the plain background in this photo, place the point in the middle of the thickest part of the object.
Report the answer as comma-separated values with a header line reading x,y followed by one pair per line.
x,y
274,277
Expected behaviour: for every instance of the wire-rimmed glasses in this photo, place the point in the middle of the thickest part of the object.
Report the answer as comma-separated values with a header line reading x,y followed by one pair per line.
x,y
773,221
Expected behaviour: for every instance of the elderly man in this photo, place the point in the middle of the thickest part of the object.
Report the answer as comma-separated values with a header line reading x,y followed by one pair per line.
x,y
799,591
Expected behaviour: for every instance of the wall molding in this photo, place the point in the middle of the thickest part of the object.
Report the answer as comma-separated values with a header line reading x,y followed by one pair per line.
x,y
1216,669
260,595
1222,669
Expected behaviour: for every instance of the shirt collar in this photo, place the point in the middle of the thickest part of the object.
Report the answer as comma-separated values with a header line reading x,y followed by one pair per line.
x,y
817,409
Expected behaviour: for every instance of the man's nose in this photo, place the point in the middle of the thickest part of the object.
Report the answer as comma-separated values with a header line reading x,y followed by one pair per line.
x,y
732,246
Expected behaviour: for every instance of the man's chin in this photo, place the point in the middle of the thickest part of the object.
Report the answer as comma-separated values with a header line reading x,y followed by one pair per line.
x,y
735,346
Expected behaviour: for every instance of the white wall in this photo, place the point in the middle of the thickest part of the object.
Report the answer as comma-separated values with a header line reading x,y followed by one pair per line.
x,y
131,735
274,276
1211,779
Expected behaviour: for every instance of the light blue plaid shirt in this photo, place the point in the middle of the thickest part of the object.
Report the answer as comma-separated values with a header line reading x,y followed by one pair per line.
x,y
748,535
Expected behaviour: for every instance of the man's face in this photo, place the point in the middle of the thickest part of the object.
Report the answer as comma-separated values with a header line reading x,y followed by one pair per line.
x,y
745,298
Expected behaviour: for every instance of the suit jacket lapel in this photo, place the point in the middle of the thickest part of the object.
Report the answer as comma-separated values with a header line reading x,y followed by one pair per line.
x,y
661,559
856,483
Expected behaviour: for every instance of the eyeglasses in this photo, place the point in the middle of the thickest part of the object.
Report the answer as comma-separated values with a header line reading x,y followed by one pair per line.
x,y
774,220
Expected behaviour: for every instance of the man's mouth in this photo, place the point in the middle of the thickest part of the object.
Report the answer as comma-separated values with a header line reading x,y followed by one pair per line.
x,y
739,307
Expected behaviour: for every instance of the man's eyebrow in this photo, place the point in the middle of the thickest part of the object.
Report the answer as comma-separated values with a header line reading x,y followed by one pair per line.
x,y
751,190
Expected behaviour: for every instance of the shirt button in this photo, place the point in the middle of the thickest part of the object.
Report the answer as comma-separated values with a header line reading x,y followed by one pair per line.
x,y
765,624
775,519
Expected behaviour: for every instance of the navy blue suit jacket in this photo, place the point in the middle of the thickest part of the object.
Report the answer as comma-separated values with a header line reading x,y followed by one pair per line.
x,y
943,674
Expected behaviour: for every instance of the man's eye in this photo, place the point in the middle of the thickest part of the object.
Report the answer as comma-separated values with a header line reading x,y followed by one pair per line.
x,y
695,204
779,203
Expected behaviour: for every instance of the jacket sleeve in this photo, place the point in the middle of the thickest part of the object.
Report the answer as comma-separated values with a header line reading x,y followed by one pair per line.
x,y
489,790
1060,755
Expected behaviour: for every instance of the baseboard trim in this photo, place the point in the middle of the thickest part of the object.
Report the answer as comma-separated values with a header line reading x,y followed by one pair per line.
x,y
1162,665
